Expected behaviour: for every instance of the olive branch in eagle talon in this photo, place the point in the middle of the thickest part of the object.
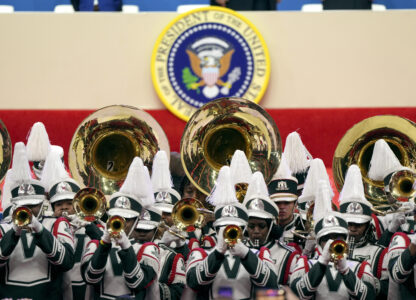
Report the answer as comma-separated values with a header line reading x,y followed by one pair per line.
x,y
190,80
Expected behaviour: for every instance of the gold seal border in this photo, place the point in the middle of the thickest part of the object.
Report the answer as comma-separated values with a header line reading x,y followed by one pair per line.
x,y
162,96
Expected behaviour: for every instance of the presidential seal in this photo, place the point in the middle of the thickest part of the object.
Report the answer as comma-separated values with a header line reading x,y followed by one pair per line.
x,y
206,54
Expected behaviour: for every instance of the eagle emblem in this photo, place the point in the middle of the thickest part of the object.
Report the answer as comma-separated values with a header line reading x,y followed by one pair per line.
x,y
210,59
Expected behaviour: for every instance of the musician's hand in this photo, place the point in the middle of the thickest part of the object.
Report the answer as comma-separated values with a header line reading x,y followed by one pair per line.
x,y
239,250
17,230
168,238
398,219
309,247
76,222
106,238
342,266
123,241
221,245
325,257
35,225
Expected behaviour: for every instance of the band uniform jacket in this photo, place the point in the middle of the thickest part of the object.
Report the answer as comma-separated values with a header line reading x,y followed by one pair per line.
x,y
284,259
376,256
220,275
313,280
32,265
172,274
402,268
116,272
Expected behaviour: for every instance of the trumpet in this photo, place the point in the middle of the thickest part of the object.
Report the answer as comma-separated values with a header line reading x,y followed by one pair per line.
x,y
116,225
89,204
338,250
22,216
164,226
188,214
232,235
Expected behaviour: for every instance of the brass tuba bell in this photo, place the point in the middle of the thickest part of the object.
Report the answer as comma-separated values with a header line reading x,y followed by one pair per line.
x,y
22,216
106,142
89,204
5,150
356,147
218,129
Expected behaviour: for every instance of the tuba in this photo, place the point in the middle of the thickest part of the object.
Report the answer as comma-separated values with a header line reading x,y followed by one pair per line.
x,y
218,129
5,150
106,142
356,147
89,204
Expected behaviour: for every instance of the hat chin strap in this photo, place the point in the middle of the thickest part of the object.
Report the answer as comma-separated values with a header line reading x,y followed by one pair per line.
x,y
134,226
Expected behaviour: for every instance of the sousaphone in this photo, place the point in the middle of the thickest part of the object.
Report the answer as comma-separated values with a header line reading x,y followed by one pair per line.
x,y
5,150
218,129
106,142
356,147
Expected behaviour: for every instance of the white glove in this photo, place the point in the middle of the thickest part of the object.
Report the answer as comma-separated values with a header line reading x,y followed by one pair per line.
x,y
17,230
106,238
342,265
412,238
168,238
123,241
36,226
326,255
239,250
221,245
309,247
398,219
76,222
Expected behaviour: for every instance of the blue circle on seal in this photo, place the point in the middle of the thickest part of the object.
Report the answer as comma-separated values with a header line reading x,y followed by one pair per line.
x,y
208,61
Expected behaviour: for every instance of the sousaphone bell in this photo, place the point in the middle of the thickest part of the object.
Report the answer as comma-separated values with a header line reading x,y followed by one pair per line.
x,y
5,150
106,142
356,147
218,129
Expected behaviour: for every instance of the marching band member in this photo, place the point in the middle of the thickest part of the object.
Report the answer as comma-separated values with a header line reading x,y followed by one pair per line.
x,y
231,268
298,159
61,190
317,171
33,257
331,276
115,266
262,215
166,197
282,189
172,264
356,210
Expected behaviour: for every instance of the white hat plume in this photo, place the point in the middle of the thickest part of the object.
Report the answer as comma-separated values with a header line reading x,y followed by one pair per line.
x,y
257,188
38,144
223,192
239,168
54,169
383,161
323,204
21,169
297,155
317,172
161,177
353,189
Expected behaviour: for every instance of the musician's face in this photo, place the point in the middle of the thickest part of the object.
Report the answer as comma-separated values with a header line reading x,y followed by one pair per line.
x,y
167,217
286,209
257,229
190,191
143,236
61,206
35,209
357,230
332,236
